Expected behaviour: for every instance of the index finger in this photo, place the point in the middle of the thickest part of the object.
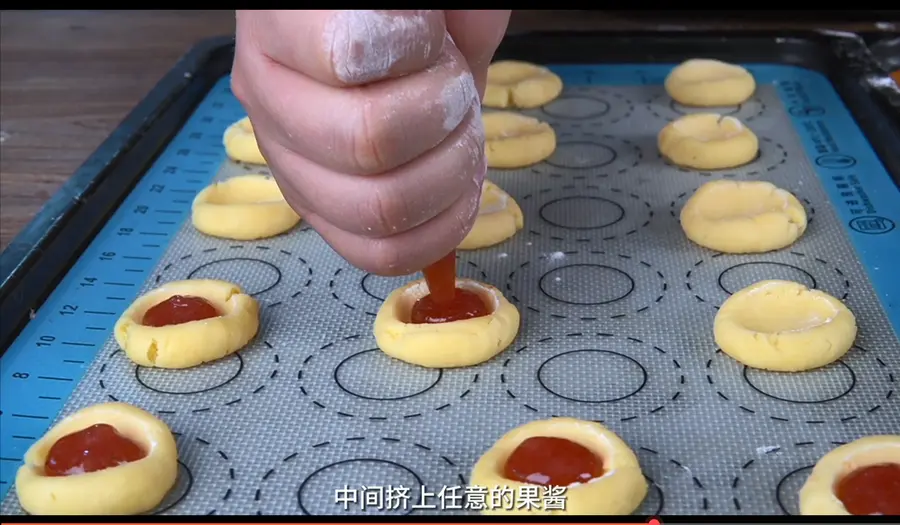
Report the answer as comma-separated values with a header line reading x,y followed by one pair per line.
x,y
477,34
350,47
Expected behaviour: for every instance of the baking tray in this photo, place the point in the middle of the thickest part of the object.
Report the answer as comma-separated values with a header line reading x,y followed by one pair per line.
x,y
311,405
886,50
876,59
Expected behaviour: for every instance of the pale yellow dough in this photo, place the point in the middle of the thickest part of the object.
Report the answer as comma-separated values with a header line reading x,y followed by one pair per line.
x,y
445,345
189,344
709,83
708,141
619,491
499,218
743,217
817,496
240,143
131,488
784,326
516,141
513,84
244,208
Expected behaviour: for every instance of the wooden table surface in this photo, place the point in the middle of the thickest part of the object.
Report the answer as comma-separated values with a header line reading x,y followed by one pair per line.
x,y
67,78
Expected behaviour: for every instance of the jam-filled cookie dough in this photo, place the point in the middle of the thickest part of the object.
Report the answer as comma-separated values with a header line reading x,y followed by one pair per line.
x,y
708,141
244,208
499,218
861,478
240,143
709,83
449,344
183,324
601,473
513,84
743,217
105,459
516,141
784,326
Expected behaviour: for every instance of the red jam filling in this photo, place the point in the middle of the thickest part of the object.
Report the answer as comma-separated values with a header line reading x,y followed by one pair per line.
x,y
179,309
94,448
445,302
552,461
871,491
465,305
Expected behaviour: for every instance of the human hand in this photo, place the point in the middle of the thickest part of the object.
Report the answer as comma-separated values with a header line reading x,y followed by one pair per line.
x,y
371,123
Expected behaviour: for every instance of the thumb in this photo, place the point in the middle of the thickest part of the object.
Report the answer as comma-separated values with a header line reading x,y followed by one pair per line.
x,y
477,34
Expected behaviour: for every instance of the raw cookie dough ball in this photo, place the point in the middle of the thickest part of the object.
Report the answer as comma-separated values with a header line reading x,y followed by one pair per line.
x,y
516,141
512,84
833,484
240,143
709,83
743,217
708,141
445,345
620,489
189,342
134,487
499,218
784,326
244,208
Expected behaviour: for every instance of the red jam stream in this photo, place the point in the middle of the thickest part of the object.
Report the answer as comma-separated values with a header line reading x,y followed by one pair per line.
x,y
872,490
445,302
179,309
552,461
94,448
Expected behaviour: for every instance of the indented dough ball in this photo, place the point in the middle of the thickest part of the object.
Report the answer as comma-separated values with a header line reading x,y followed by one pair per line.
x,y
513,84
130,488
819,497
246,207
193,343
708,141
703,82
516,141
620,489
743,217
783,326
240,143
499,218
452,344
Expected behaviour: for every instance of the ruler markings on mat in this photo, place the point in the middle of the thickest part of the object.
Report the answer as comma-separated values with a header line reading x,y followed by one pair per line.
x,y
53,352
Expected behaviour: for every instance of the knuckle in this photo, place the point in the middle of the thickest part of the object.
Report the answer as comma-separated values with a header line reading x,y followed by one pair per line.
x,y
366,46
382,214
386,260
239,87
368,138
436,38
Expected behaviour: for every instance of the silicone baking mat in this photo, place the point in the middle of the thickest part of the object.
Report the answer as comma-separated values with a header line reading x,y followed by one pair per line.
x,y
617,310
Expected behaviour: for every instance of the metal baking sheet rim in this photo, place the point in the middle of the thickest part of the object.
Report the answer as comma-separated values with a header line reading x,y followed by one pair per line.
x,y
575,66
